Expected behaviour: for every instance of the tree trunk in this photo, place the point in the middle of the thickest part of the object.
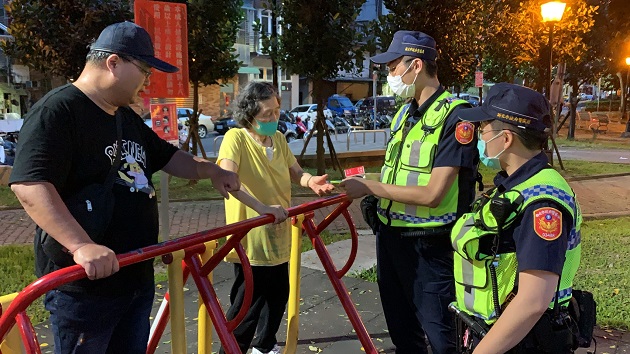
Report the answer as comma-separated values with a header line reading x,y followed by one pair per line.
x,y
320,124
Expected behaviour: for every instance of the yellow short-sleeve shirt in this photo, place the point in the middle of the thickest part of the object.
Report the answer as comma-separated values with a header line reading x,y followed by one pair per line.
x,y
269,182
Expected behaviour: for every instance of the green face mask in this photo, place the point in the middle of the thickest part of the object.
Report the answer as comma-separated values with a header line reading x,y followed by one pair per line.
x,y
265,128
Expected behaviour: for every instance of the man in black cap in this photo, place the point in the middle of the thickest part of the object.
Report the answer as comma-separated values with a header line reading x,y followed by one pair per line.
x,y
427,181
517,252
77,139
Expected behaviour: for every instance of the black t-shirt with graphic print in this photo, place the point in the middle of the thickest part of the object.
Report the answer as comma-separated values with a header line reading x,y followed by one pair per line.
x,y
69,141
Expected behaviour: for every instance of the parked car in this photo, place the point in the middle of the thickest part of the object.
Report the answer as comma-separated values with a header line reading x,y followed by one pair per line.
x,y
472,99
384,104
222,125
308,112
205,122
339,105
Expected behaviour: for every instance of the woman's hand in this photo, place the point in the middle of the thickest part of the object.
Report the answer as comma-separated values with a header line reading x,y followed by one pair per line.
x,y
279,213
319,185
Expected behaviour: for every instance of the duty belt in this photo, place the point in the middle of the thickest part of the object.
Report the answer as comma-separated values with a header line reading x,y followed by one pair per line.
x,y
417,231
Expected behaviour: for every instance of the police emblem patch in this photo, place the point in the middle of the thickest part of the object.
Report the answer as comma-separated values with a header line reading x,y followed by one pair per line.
x,y
548,223
464,132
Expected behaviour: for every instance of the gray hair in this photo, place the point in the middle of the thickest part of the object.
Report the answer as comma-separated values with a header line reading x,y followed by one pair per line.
x,y
247,105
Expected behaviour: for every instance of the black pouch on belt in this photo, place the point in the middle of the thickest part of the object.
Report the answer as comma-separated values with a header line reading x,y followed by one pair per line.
x,y
368,210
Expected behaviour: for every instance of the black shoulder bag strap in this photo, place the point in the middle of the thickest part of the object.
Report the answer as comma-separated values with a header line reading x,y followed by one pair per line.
x,y
109,182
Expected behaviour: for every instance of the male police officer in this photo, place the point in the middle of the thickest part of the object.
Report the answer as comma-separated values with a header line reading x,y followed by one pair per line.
x,y
427,181
518,251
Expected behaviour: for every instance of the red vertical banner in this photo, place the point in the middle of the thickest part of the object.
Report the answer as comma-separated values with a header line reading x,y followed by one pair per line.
x,y
164,120
478,78
167,24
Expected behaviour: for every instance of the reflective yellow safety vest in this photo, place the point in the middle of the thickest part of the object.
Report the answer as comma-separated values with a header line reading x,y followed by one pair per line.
x,y
409,161
473,273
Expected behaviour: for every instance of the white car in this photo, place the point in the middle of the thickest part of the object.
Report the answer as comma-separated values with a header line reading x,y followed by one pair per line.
x,y
308,112
205,122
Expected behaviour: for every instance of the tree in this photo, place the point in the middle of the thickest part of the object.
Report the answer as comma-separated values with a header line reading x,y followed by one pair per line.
x,y
450,23
212,30
318,40
52,36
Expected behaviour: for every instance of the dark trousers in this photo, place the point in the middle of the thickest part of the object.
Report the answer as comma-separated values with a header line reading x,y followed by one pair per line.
x,y
269,300
92,324
415,279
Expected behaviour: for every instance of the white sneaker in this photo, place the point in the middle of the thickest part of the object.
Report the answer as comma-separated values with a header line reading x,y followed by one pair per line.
x,y
276,350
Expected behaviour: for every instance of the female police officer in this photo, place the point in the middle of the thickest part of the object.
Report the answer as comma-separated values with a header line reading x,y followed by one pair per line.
x,y
518,251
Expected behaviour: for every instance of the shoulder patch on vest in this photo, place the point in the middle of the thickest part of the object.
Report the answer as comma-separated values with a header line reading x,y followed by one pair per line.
x,y
464,132
548,223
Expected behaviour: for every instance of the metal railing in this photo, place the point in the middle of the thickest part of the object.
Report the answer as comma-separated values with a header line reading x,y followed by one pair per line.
x,y
193,255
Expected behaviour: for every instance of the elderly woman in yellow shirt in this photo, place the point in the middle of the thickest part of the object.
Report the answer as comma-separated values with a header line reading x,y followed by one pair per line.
x,y
266,167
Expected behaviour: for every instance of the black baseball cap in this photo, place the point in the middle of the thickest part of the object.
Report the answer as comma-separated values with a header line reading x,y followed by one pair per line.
x,y
513,104
129,39
411,43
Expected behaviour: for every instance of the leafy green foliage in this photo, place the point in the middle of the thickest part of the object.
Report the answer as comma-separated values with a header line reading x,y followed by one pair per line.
x,y
508,37
212,29
318,40
52,36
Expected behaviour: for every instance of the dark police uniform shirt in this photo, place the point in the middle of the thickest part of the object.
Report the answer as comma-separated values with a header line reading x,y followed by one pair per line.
x,y
533,252
68,141
452,153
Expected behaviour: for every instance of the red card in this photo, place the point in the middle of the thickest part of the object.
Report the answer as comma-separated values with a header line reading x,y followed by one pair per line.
x,y
354,171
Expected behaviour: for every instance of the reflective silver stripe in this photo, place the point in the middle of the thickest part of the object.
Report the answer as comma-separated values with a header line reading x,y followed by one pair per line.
x,y
400,117
468,278
412,180
465,228
414,154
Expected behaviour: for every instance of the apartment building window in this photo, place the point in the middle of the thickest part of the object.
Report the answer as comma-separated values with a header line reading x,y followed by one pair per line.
x,y
265,21
261,75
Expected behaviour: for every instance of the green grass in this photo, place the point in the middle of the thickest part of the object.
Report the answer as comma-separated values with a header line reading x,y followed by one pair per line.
x,y
17,264
604,270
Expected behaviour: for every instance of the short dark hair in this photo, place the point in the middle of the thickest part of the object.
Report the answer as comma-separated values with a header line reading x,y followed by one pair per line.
x,y
530,138
429,65
246,105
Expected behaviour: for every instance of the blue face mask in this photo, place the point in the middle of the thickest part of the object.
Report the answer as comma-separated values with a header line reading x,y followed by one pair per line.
x,y
492,162
265,128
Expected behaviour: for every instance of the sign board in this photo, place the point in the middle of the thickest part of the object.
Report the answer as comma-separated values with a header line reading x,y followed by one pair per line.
x,y
167,24
478,78
354,171
164,121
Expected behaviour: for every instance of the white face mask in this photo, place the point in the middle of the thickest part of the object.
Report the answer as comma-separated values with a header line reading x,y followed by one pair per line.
x,y
399,87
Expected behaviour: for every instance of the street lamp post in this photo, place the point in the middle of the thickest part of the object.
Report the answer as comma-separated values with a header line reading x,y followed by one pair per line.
x,y
551,13
625,96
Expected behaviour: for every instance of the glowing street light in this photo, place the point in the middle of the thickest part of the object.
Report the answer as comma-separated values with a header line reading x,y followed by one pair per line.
x,y
551,13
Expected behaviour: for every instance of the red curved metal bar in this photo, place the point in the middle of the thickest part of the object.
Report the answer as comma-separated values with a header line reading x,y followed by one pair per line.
x,y
354,239
339,286
249,292
189,243
29,338
333,215
209,297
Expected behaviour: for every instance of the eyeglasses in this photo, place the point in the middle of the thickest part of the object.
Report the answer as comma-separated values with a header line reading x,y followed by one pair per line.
x,y
146,72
